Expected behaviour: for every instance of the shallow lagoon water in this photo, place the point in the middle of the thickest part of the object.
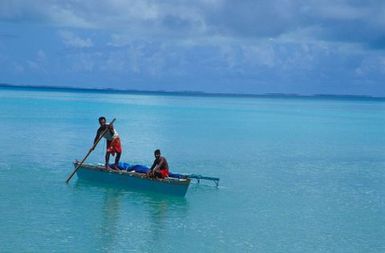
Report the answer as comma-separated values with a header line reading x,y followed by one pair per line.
x,y
297,175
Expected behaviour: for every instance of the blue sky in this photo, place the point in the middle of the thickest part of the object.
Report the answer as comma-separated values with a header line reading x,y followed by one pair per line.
x,y
276,46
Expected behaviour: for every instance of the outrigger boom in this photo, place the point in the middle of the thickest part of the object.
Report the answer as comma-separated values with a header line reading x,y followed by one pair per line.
x,y
200,177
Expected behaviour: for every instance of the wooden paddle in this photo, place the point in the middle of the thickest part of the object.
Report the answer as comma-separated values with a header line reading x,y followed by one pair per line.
x,y
90,151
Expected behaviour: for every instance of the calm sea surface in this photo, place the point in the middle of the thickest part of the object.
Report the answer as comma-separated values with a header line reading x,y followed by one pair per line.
x,y
297,175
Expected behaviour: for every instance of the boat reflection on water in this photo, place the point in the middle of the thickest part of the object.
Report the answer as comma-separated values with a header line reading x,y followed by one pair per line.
x,y
132,219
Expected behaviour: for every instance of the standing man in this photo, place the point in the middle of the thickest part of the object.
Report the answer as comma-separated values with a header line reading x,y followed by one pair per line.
x,y
159,168
113,142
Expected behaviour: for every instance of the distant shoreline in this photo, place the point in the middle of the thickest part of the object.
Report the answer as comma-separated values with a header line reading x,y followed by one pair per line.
x,y
192,93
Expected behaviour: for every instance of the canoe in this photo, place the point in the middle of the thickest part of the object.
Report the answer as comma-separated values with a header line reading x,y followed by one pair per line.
x,y
132,179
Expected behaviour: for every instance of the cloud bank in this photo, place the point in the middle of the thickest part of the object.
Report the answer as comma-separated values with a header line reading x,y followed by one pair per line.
x,y
287,46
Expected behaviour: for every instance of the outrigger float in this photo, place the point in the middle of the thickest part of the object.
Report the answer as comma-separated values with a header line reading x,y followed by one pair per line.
x,y
135,177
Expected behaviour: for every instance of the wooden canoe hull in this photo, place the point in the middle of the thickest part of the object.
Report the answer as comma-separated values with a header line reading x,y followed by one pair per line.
x,y
133,180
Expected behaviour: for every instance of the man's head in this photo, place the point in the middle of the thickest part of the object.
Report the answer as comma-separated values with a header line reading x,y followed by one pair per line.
x,y
102,121
157,153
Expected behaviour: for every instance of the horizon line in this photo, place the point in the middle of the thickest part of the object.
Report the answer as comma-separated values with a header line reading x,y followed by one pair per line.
x,y
196,93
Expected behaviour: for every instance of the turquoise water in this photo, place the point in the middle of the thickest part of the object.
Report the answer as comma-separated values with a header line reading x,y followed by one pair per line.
x,y
297,175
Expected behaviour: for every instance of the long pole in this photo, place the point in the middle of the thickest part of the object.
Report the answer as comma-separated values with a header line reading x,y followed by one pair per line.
x,y
89,152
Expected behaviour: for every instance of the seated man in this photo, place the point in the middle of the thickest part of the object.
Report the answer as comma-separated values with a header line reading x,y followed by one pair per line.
x,y
159,168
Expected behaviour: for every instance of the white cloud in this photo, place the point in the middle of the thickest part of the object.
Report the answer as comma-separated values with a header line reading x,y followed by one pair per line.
x,y
17,68
202,19
119,40
38,63
72,40
371,65
67,17
41,56
84,62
